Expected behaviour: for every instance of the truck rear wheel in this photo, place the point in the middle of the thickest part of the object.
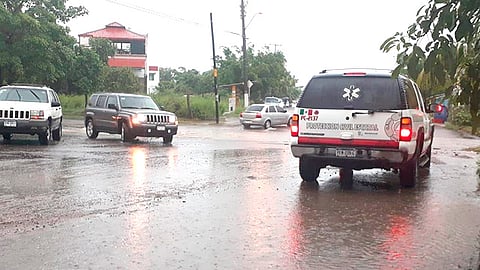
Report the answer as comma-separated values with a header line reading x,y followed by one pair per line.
x,y
308,169
408,173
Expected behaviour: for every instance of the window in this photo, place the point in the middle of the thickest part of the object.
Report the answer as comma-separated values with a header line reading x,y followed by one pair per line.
x,y
122,47
53,96
101,101
93,100
112,100
151,76
412,102
361,93
254,108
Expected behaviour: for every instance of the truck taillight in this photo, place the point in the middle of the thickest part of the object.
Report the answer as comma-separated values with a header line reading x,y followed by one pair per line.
x,y
294,126
406,129
439,108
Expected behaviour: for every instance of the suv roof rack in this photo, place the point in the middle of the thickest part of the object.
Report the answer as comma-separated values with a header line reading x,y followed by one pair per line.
x,y
28,84
363,69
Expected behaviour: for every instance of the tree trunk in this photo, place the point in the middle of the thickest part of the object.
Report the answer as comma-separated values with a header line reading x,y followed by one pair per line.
x,y
474,107
189,109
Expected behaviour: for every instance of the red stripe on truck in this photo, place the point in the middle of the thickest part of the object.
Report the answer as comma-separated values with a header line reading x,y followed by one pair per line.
x,y
346,143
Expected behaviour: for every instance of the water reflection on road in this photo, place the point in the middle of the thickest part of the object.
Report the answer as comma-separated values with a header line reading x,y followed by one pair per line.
x,y
228,198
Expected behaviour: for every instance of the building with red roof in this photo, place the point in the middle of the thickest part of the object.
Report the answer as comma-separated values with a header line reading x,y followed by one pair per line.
x,y
130,47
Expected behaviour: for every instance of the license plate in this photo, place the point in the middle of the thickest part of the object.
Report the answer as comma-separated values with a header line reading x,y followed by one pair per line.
x,y
10,123
160,128
345,153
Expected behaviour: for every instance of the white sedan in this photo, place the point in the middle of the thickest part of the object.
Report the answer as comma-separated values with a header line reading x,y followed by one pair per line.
x,y
265,115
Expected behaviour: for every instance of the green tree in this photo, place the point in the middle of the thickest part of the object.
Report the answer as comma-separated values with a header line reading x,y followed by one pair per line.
x,y
270,75
192,81
266,69
443,46
124,80
33,46
166,80
86,69
103,47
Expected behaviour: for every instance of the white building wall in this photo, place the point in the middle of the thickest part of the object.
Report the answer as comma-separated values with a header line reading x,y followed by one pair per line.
x,y
153,79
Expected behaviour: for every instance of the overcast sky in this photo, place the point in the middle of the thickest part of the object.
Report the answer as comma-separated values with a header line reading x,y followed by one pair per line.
x,y
313,34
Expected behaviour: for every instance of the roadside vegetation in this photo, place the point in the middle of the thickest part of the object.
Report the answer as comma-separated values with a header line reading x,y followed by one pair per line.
x,y
441,50
201,107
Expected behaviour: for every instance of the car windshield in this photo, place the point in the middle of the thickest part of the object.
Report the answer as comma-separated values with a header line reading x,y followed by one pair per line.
x,y
363,93
135,102
24,94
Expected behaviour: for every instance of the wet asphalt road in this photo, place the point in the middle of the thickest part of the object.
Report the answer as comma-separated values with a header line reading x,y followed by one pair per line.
x,y
221,197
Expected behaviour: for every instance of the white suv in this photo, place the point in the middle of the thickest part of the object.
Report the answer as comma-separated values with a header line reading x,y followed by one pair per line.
x,y
27,109
359,119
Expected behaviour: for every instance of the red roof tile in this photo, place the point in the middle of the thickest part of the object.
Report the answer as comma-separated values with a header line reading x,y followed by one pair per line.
x,y
114,31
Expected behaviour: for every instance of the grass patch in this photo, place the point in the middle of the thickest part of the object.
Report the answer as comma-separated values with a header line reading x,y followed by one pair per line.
x,y
463,129
73,107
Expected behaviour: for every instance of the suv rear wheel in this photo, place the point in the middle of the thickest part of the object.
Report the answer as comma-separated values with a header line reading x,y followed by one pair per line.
x,y
90,129
308,169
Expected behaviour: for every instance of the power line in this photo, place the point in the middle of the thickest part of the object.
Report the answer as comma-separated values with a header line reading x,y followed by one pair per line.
x,y
153,12
162,15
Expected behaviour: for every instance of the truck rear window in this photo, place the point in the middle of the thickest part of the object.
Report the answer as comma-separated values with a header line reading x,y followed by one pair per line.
x,y
361,93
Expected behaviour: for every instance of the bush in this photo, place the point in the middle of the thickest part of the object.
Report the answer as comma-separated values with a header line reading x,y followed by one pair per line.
x,y
73,106
202,107
460,116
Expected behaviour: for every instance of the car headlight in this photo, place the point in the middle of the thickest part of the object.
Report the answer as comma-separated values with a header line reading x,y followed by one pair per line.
x,y
173,120
138,119
37,114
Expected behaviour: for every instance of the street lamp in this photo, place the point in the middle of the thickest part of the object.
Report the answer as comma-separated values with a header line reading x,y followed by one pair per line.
x,y
253,17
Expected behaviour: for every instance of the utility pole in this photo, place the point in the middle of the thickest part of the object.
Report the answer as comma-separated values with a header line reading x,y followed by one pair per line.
x,y
215,72
244,50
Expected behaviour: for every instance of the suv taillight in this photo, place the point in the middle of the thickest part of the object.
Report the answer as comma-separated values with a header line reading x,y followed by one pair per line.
x,y
406,129
294,126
